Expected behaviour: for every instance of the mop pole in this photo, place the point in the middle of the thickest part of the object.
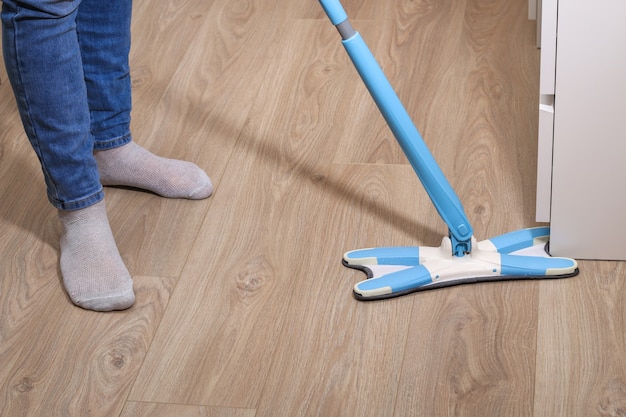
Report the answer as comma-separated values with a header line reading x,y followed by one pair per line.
x,y
428,171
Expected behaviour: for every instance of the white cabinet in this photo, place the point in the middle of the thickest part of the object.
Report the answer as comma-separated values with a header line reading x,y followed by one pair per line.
x,y
581,176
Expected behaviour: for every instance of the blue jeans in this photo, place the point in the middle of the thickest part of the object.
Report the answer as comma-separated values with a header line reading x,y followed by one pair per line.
x,y
67,61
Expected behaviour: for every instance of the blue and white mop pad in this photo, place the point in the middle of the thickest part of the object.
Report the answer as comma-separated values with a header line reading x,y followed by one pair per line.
x,y
395,271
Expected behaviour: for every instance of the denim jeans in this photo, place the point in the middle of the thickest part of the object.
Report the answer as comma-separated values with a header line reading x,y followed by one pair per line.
x,y
67,62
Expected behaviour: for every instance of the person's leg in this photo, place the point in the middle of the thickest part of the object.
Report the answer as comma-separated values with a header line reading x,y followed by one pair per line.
x,y
44,66
104,38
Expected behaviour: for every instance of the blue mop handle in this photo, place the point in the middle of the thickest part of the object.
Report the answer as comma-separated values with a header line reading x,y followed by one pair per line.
x,y
437,186
334,10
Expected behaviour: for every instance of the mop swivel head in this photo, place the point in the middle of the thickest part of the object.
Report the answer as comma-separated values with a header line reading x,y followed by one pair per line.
x,y
396,271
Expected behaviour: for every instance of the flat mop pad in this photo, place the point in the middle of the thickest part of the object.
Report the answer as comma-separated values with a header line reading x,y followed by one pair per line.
x,y
395,271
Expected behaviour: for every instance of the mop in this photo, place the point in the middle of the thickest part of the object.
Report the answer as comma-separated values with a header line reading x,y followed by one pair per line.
x,y
460,259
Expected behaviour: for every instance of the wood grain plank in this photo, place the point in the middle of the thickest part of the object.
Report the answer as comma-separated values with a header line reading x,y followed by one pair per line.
x,y
61,360
471,351
161,37
197,115
338,356
135,409
503,83
482,360
239,276
461,77
581,344
416,45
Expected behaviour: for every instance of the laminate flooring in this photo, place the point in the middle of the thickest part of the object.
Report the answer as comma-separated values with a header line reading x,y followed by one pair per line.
x,y
243,307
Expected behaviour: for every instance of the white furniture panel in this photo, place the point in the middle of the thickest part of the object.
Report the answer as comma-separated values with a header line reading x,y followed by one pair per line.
x,y
588,196
546,34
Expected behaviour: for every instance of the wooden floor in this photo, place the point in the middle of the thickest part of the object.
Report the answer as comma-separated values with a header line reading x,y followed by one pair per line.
x,y
243,307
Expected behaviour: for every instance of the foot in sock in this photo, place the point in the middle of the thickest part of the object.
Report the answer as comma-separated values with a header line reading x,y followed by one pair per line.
x,y
133,166
94,274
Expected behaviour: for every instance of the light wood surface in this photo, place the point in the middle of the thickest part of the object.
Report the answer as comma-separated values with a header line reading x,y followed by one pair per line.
x,y
243,307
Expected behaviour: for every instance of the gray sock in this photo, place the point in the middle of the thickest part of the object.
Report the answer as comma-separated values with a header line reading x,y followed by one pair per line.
x,y
133,166
94,274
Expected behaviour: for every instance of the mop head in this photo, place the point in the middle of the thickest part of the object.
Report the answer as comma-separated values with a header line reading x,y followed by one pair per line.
x,y
396,271
460,259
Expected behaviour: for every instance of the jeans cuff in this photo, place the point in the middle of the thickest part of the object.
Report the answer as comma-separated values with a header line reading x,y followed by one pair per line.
x,y
78,204
103,145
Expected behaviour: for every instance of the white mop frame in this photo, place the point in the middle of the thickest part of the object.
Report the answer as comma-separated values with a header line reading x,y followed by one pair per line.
x,y
395,271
